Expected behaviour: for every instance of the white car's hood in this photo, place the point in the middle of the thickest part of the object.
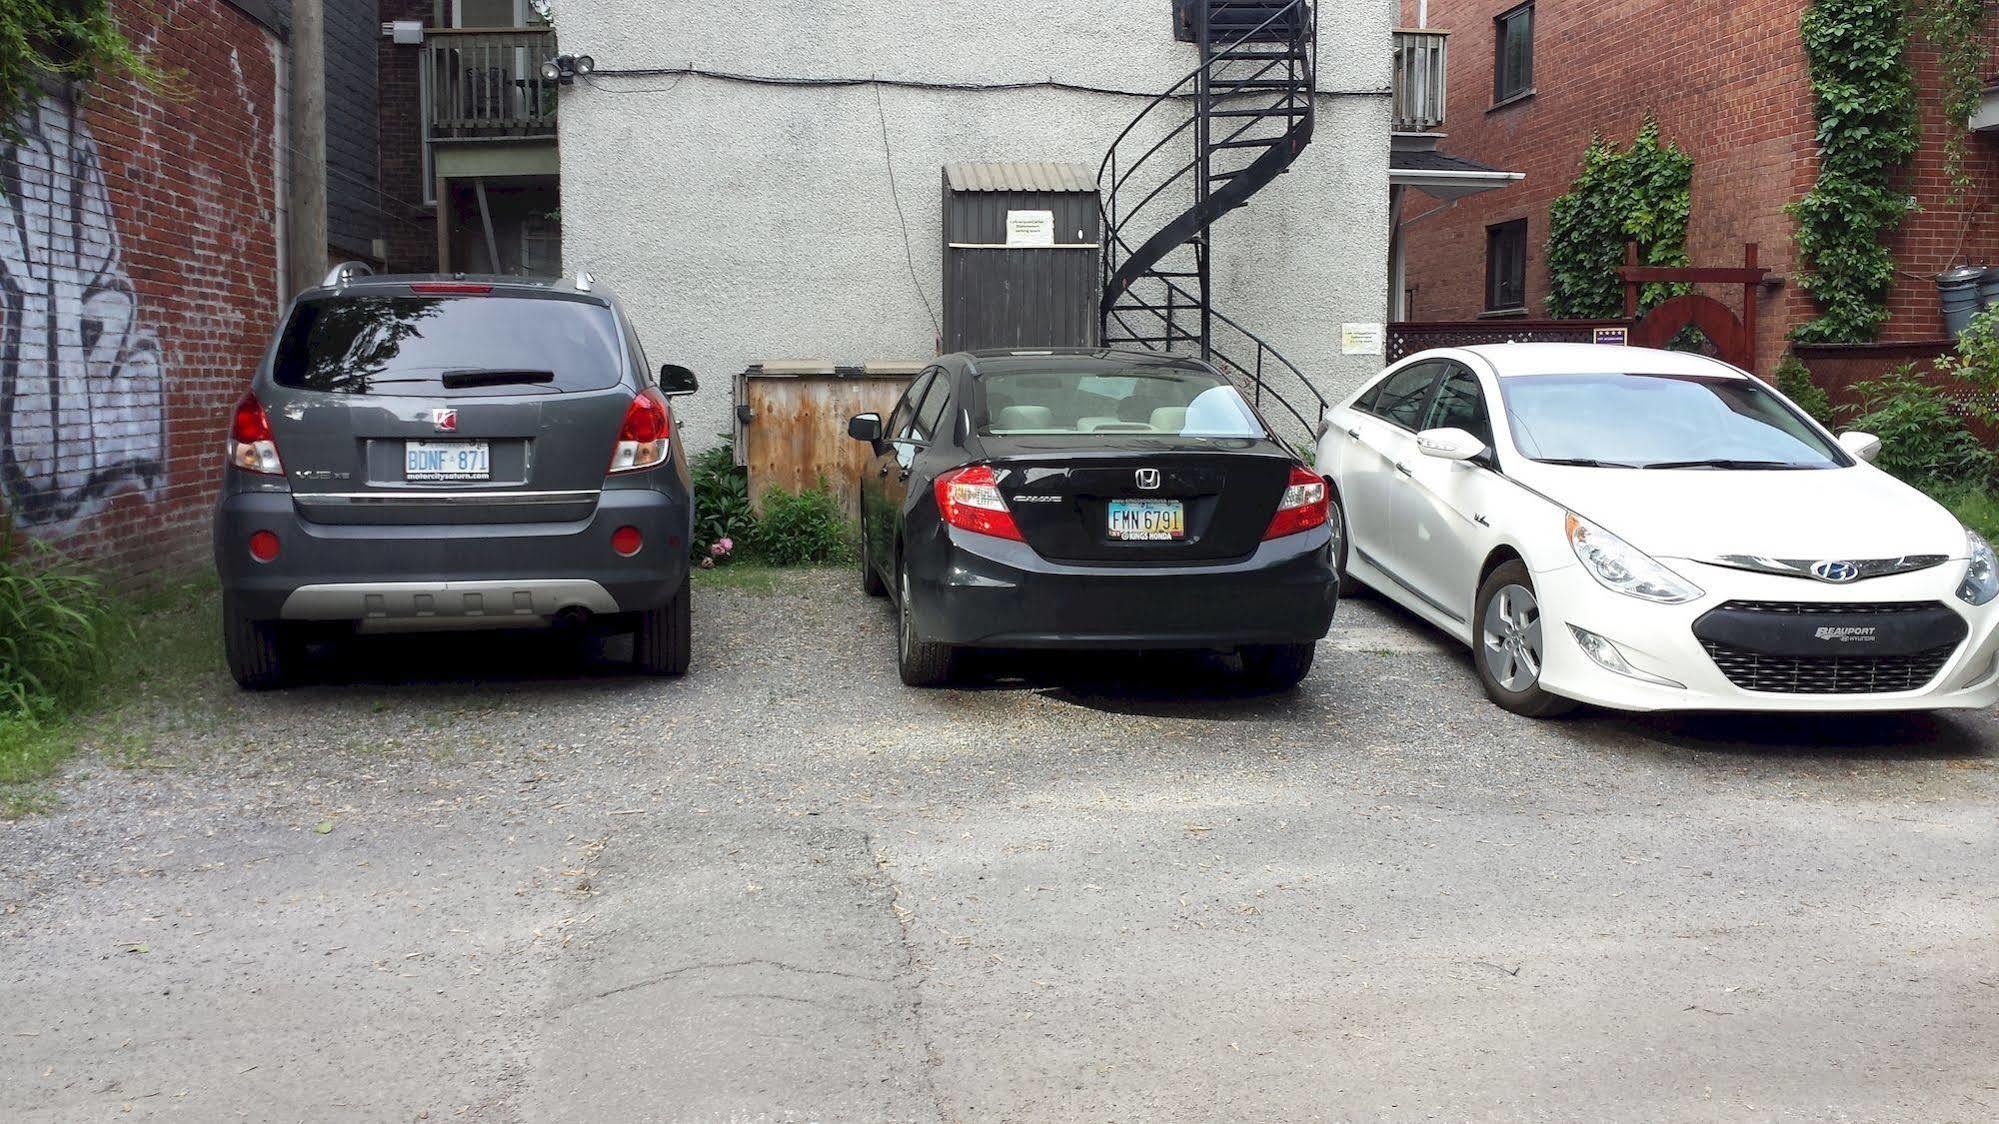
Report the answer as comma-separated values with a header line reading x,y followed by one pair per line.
x,y
1848,514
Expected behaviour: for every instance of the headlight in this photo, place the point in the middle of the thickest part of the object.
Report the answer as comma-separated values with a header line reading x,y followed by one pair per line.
x,y
1618,565
1981,578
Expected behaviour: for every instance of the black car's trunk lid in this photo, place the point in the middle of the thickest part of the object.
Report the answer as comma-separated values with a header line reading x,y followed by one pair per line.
x,y
1141,500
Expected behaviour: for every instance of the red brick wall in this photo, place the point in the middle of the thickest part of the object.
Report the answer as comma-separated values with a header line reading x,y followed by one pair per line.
x,y
410,227
141,245
1727,81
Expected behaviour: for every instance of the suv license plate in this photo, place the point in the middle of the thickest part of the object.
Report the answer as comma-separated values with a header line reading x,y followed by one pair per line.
x,y
1147,520
447,460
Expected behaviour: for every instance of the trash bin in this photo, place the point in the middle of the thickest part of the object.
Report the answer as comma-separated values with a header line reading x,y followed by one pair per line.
x,y
1958,289
1988,289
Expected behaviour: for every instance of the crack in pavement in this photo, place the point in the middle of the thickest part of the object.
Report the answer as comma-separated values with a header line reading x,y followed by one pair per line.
x,y
662,977
912,980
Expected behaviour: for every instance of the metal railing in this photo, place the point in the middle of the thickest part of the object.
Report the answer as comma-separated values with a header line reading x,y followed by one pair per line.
x,y
1420,58
486,83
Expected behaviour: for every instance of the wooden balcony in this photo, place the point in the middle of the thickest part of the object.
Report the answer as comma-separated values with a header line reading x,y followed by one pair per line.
x,y
1420,57
486,84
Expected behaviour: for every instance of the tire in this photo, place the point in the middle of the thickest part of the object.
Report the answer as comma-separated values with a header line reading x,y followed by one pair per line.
x,y
1278,667
664,641
261,654
920,662
871,579
1508,646
1348,584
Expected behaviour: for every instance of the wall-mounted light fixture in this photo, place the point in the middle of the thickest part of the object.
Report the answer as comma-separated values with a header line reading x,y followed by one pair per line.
x,y
563,69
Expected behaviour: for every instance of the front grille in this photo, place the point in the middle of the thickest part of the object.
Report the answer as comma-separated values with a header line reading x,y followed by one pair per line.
x,y
1828,675
1827,608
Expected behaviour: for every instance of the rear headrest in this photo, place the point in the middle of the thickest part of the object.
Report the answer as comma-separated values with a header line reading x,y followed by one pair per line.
x,y
1169,419
1024,417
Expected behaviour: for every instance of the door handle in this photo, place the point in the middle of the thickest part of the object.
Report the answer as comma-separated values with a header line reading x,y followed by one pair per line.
x,y
903,475
1354,433
1403,469
884,471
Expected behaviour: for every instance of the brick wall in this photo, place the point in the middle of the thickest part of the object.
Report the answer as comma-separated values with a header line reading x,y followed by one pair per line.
x,y
140,249
409,226
1727,81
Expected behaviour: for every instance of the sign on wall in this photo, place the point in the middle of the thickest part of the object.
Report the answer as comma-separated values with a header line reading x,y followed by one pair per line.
x,y
1363,339
1613,337
1030,228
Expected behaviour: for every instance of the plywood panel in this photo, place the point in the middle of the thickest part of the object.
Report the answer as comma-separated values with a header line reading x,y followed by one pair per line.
x,y
798,431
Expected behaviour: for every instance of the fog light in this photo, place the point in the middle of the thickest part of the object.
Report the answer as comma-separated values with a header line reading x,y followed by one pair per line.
x,y
627,541
1607,656
264,546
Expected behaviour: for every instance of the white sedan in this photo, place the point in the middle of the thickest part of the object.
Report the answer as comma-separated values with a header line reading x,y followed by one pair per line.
x,y
1651,530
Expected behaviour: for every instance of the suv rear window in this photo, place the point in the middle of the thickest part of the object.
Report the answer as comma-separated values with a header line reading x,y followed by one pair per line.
x,y
449,346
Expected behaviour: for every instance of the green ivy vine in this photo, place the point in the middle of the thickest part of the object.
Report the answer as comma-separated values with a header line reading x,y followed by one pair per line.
x,y
1953,29
1866,107
62,40
1639,194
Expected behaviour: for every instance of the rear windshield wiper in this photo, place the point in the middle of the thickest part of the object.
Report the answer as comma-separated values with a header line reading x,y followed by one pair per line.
x,y
1726,462
459,380
1582,462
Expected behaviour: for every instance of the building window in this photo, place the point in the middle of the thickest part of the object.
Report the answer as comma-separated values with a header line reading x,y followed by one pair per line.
x,y
1513,59
1506,267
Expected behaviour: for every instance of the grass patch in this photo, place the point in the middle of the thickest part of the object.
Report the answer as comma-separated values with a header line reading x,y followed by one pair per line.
x,y
759,578
158,645
1977,507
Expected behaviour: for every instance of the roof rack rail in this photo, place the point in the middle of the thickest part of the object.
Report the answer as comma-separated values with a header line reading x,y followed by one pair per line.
x,y
346,271
584,281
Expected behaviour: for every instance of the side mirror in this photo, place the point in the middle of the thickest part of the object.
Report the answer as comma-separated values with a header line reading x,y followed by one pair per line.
x,y
865,427
676,380
1449,444
1863,446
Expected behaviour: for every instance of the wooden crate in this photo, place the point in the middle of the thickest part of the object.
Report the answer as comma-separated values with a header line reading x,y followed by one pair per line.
x,y
791,423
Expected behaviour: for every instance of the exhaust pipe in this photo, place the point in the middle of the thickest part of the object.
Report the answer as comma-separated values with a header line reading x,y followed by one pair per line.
x,y
571,618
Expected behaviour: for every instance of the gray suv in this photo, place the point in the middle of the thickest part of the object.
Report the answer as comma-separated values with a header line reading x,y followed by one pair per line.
x,y
453,452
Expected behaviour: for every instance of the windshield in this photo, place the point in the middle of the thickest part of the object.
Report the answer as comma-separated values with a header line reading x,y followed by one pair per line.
x,y
448,346
1180,403
1660,421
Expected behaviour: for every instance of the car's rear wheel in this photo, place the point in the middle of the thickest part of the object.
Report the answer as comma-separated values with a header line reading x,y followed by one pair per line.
x,y
1337,520
1510,646
1278,667
664,643
920,662
261,654
871,578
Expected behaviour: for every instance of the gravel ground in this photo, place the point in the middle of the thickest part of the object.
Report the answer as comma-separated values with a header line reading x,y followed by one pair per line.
x,y
478,881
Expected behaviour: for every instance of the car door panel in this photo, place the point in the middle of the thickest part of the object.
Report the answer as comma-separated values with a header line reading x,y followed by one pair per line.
x,y
1440,503
882,489
1381,439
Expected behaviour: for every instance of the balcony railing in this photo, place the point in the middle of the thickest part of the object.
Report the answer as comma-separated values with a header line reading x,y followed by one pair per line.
x,y
486,83
1419,79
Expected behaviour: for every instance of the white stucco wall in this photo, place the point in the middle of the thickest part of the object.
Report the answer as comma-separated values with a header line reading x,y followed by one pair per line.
x,y
748,222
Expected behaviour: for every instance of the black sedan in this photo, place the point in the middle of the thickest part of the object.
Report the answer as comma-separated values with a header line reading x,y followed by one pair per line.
x,y
1092,499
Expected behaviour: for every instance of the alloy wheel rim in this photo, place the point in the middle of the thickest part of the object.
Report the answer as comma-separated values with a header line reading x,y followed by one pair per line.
x,y
902,615
1510,638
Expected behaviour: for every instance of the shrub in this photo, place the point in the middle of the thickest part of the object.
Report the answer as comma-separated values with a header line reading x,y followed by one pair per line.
x,y
1794,381
798,528
1977,362
1923,441
53,623
721,502
1639,194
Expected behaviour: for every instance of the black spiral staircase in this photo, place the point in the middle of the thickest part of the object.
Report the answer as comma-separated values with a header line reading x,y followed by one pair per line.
x,y
1248,114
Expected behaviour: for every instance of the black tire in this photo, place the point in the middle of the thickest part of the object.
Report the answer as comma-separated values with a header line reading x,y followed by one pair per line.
x,y
1348,584
1520,650
664,641
920,662
1278,667
871,579
260,653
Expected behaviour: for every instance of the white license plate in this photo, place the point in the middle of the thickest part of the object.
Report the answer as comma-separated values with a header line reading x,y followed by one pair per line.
x,y
447,460
1148,520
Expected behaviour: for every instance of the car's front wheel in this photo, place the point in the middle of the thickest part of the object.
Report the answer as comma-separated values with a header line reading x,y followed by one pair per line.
x,y
920,662
1511,646
261,654
1278,667
664,642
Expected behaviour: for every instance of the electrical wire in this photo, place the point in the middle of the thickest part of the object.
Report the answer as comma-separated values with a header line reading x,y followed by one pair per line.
x,y
908,250
877,81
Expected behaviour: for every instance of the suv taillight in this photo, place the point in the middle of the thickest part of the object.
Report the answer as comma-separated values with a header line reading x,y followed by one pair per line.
x,y
969,499
1303,506
252,446
642,437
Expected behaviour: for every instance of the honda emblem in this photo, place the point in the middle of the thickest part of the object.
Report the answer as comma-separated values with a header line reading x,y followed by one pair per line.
x,y
1147,479
444,421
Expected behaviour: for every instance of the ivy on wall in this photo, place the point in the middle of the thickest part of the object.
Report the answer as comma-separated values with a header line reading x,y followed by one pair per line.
x,y
1866,107
63,40
1637,194
1953,29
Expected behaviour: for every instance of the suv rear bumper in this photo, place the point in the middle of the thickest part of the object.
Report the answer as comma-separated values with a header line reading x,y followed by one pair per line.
x,y
475,573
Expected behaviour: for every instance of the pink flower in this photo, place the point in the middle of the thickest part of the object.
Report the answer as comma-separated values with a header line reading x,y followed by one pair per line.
x,y
722,548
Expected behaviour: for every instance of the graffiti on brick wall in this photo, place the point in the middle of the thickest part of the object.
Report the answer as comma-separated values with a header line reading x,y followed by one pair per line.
x,y
82,403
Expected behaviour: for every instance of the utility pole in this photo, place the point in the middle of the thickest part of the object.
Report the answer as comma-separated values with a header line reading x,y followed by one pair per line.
x,y
305,233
